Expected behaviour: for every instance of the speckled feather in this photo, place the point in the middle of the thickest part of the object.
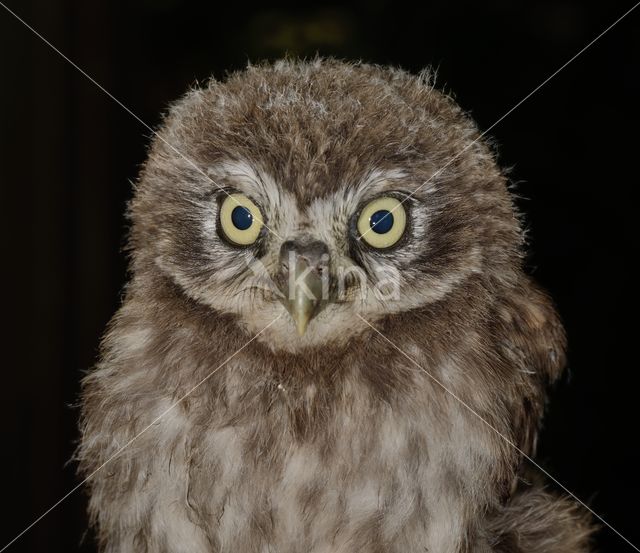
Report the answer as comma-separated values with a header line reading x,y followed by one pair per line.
x,y
332,442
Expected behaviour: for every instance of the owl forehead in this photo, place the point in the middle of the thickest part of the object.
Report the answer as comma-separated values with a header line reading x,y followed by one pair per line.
x,y
313,133
323,214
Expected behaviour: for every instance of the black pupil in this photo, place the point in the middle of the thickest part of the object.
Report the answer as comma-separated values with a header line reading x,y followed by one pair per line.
x,y
241,217
381,221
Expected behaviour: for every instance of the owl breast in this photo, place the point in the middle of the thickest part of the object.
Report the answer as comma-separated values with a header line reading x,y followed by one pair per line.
x,y
371,477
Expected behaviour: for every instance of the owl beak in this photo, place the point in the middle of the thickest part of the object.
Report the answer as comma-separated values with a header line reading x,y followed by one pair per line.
x,y
304,279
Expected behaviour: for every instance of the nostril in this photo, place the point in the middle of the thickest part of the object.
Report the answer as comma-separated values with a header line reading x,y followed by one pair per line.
x,y
313,253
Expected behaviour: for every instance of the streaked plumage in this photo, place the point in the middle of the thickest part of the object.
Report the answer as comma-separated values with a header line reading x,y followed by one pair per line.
x,y
331,441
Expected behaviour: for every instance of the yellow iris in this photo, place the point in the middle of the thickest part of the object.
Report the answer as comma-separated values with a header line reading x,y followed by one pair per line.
x,y
382,222
240,219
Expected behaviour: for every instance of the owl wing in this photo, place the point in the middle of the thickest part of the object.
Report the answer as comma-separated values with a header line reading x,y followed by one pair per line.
x,y
533,343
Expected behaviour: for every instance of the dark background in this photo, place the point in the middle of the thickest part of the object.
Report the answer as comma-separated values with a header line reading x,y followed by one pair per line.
x,y
68,154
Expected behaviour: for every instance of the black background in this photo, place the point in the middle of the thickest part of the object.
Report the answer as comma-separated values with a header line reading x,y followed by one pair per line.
x,y
69,152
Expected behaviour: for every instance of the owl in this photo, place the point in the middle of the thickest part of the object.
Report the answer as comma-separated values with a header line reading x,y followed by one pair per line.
x,y
328,343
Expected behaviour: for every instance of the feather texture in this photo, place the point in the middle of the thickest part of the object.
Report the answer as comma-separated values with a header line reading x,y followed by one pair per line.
x,y
333,442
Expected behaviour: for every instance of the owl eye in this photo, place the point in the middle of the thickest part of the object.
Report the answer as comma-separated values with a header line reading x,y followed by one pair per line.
x,y
240,220
382,222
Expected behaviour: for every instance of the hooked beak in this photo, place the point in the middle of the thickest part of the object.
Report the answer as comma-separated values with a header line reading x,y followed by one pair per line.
x,y
304,280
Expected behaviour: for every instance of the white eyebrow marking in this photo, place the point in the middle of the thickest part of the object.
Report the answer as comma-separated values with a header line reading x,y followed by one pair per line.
x,y
280,207
379,179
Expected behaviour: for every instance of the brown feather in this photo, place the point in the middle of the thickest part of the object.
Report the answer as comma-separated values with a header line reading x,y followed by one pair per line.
x,y
334,442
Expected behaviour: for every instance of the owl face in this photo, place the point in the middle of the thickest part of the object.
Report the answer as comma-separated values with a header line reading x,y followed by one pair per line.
x,y
287,194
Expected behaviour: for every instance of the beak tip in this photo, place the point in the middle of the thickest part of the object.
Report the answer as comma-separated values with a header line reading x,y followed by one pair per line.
x,y
301,326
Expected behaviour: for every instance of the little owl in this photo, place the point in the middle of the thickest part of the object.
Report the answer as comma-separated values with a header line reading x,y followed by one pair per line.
x,y
328,343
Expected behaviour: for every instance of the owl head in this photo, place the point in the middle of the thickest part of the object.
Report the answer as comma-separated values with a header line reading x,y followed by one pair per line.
x,y
321,195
